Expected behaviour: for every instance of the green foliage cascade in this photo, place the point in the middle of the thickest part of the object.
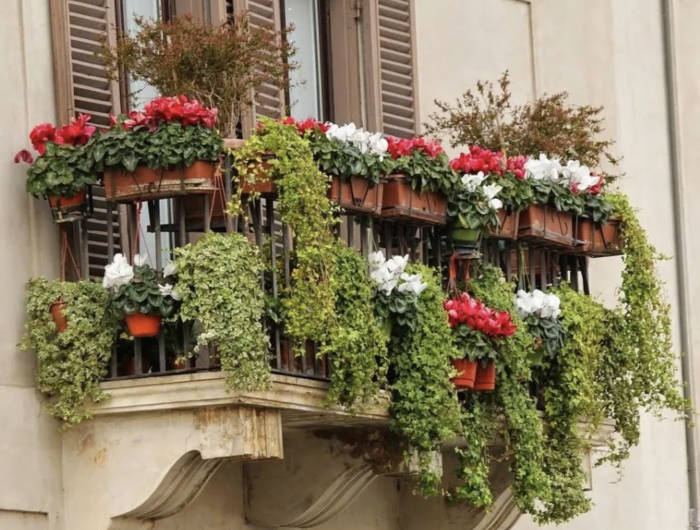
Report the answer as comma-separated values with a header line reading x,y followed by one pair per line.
x,y
72,363
219,282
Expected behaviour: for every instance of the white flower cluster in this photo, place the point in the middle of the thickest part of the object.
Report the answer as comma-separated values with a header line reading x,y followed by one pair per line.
x,y
119,273
551,169
542,304
365,141
474,182
388,273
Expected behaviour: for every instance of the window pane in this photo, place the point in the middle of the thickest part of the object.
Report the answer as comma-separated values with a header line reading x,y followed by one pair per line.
x,y
305,94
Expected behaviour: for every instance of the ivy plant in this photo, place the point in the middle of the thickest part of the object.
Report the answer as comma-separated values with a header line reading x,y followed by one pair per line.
x,y
309,306
218,279
72,363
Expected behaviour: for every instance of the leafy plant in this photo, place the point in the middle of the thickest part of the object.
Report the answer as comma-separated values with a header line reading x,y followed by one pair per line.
x,y
470,207
358,346
143,294
424,405
222,66
172,132
219,282
72,363
309,307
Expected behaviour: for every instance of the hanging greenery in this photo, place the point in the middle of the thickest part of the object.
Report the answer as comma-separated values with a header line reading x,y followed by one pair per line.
x,y
309,307
219,282
358,347
71,363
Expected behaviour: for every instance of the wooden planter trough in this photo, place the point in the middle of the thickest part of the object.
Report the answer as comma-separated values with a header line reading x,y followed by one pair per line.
x,y
357,195
402,203
599,240
508,222
544,226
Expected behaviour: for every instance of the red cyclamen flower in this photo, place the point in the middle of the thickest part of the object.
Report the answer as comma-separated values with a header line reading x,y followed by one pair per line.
x,y
474,313
24,156
42,133
78,132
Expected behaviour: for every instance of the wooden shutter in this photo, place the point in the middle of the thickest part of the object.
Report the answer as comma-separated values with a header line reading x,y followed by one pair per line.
x,y
82,86
393,81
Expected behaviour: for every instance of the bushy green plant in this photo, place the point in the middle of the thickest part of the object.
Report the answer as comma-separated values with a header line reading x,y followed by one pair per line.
x,y
424,405
72,363
142,295
309,307
219,282
358,347
471,209
62,171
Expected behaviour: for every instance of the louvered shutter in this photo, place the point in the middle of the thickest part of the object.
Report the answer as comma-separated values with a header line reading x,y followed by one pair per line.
x,y
83,87
269,100
395,80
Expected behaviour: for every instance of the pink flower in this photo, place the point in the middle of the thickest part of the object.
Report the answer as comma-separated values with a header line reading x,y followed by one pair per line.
x,y
24,156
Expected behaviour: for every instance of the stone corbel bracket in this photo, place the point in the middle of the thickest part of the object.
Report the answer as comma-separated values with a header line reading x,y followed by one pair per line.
x,y
139,468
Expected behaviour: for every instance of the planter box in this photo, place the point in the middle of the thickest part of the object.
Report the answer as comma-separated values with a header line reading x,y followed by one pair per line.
x,y
545,226
508,222
146,184
402,203
69,209
357,195
599,240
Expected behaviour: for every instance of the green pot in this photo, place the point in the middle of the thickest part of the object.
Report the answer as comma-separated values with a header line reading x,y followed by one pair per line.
x,y
465,241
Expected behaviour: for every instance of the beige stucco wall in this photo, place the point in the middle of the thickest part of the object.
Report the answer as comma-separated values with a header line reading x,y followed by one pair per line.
x,y
30,489
602,53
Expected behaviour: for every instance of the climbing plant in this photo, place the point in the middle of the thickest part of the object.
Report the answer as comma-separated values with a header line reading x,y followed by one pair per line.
x,y
71,363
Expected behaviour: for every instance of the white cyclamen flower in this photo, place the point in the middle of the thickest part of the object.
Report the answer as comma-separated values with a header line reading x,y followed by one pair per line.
x,y
551,306
140,260
580,176
537,303
543,168
168,290
376,259
412,284
169,269
397,264
117,273
472,182
491,191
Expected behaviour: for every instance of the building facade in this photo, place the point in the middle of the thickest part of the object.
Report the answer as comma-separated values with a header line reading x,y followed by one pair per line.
x,y
177,452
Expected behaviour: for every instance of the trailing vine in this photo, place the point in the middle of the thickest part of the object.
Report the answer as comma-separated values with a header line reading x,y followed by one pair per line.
x,y
71,363
309,308
219,282
424,405
358,346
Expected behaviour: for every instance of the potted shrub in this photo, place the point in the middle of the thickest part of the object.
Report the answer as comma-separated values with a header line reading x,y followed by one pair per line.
x,y
540,312
421,180
472,209
477,331
137,296
169,149
62,170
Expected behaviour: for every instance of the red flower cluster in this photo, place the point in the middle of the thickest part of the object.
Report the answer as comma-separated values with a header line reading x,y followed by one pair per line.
x,y
598,186
478,159
306,125
77,132
516,165
475,314
399,147
168,110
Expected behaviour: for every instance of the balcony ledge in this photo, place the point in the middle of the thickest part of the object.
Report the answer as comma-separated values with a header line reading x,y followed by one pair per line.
x,y
300,400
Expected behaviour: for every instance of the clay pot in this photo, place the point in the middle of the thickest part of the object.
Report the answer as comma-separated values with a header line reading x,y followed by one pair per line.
x,y
59,318
141,325
402,203
485,377
508,222
145,183
545,226
68,208
597,240
76,199
466,373
357,195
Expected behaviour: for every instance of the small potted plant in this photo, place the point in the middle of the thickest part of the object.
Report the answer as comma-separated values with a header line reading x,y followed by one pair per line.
x,y
472,209
137,296
169,149
477,331
421,180
62,171
540,312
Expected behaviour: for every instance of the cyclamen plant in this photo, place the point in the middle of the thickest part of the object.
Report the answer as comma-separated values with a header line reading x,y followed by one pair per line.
x,y
62,168
137,290
424,163
474,204
540,312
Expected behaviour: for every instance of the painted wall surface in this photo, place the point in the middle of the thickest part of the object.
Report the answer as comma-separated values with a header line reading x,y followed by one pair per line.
x,y
30,489
602,53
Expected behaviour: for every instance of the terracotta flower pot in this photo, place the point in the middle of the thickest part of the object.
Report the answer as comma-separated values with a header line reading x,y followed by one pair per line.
x,y
145,183
485,377
141,325
357,195
68,208
545,226
597,240
402,203
507,228
59,318
466,373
